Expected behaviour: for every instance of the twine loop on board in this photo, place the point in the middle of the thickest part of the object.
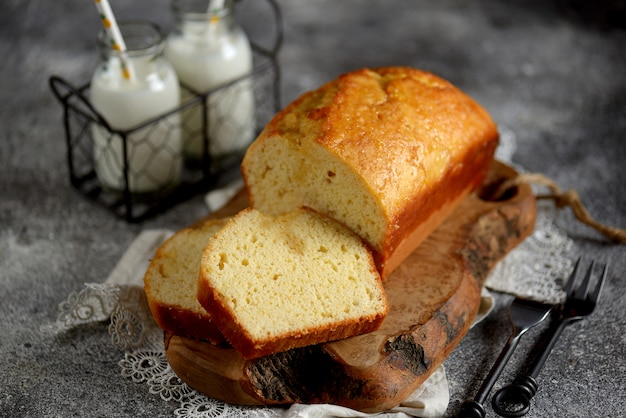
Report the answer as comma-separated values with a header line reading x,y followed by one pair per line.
x,y
562,199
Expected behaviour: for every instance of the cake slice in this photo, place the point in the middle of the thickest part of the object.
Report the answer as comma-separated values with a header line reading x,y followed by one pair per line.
x,y
275,283
171,283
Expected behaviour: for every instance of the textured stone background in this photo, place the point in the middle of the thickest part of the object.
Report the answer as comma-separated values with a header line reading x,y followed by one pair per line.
x,y
554,78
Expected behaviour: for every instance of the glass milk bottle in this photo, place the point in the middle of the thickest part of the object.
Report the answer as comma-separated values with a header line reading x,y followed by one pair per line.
x,y
153,152
208,49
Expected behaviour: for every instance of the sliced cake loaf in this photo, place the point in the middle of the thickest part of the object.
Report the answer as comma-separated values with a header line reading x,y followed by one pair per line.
x,y
388,152
275,283
171,283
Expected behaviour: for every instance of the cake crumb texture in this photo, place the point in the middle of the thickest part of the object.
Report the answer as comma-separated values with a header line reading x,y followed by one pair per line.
x,y
278,282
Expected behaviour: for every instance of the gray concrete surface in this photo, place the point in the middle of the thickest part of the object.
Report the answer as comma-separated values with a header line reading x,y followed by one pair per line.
x,y
555,78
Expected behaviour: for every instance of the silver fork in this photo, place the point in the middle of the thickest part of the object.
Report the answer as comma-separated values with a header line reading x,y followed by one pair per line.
x,y
514,400
523,314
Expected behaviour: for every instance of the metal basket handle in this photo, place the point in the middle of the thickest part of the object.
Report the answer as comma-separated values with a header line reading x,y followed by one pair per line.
x,y
273,50
65,91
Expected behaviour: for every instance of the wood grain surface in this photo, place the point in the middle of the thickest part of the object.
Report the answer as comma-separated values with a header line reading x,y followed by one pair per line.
x,y
433,295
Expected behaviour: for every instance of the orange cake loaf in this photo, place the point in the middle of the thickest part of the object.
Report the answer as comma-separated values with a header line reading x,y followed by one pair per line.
x,y
388,152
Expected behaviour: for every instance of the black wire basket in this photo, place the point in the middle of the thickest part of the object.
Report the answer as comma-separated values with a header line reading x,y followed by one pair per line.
x,y
199,175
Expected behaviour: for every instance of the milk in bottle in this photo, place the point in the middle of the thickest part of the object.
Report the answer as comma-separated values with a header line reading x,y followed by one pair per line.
x,y
208,50
153,154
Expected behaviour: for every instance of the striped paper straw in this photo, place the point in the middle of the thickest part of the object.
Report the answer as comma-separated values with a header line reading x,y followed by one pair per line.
x,y
215,6
115,36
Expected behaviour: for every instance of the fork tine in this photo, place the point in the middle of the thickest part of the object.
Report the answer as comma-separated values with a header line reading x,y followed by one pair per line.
x,y
596,292
572,277
581,292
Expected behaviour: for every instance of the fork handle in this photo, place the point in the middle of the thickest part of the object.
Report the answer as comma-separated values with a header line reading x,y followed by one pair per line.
x,y
552,336
474,408
514,400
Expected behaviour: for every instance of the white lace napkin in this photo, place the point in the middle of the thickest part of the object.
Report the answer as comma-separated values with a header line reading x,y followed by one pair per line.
x,y
539,266
534,269
121,300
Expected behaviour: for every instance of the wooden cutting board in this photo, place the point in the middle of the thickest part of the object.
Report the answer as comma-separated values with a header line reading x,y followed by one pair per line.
x,y
434,296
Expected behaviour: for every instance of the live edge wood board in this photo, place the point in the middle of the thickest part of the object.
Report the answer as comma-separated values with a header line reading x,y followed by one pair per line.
x,y
434,296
